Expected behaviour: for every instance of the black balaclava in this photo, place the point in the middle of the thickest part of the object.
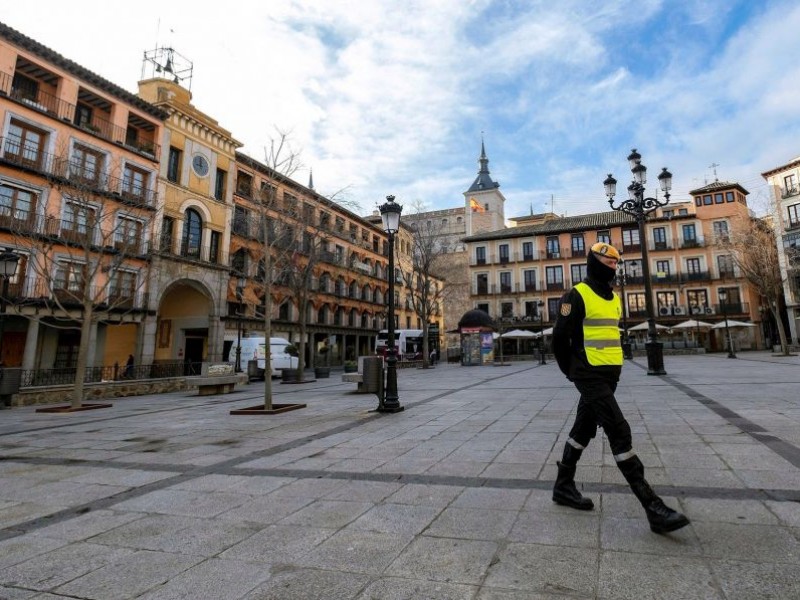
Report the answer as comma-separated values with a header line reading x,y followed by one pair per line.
x,y
599,276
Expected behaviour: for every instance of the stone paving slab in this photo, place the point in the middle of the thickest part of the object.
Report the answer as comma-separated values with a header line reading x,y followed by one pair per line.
x,y
170,496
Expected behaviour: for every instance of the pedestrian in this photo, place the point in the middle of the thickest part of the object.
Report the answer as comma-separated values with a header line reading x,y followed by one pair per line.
x,y
433,356
129,367
587,347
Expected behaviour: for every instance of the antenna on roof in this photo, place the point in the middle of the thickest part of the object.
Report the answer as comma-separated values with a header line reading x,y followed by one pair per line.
x,y
714,166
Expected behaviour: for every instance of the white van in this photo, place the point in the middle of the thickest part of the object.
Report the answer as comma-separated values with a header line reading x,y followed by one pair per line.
x,y
255,348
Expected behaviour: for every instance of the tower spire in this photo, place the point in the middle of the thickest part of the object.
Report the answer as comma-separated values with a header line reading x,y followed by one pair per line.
x,y
311,179
484,179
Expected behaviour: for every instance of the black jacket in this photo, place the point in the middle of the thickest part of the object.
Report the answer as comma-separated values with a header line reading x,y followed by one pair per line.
x,y
568,336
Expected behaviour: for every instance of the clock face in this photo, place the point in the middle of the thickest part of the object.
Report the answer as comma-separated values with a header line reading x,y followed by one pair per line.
x,y
200,165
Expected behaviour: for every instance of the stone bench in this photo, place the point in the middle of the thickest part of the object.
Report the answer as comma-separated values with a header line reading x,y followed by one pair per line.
x,y
217,378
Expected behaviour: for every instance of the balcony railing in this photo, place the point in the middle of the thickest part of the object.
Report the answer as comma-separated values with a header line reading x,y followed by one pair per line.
x,y
578,252
555,286
692,243
64,111
788,192
552,254
61,168
696,276
655,246
66,375
70,293
631,248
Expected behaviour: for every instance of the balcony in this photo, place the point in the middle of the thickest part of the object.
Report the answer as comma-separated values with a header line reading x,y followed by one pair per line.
x,y
631,248
727,274
666,278
553,254
696,276
793,224
788,192
732,309
554,286
578,253
527,257
692,243
657,246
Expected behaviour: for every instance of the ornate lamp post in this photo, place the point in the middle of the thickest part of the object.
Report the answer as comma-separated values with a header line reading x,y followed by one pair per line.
x,y
626,344
390,215
723,297
639,207
540,309
239,298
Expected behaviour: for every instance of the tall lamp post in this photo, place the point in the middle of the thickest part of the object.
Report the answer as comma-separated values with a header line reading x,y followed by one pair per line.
x,y
626,344
8,268
239,298
639,207
723,297
390,215
540,308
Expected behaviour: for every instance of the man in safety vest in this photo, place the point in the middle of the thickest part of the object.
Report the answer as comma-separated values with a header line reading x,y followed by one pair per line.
x,y
586,344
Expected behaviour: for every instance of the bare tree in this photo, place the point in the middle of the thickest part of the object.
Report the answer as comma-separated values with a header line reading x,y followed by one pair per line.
x,y
424,282
90,263
754,252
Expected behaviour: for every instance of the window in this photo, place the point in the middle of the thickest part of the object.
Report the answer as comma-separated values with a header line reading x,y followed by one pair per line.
x,y
482,283
683,211
213,248
578,246
83,115
78,223
662,269
123,288
16,205
480,255
219,184
693,266
134,183
689,235
192,234
25,88
636,304
720,230
128,235
729,197
241,220
503,253
25,144
630,238
86,164
604,236
167,231
174,165
505,282
733,301
530,280
532,310
794,215
553,248
244,184
718,198
707,199
698,301
552,307
725,265
527,250
70,277
669,213
578,273
665,302
285,311
554,277
660,238
506,310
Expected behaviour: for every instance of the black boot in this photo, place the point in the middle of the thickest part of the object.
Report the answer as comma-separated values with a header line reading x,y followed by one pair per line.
x,y
662,519
564,491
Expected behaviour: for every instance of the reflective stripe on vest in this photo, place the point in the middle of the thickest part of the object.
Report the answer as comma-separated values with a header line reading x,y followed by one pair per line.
x,y
601,328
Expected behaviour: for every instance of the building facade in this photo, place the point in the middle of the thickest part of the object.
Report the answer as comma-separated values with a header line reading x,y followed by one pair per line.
x,y
784,181
79,165
519,274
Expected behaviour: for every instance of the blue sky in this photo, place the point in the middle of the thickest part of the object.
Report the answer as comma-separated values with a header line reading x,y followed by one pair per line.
x,y
384,97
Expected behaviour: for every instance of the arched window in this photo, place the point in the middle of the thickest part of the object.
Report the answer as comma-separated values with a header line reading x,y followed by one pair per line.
x,y
352,320
354,289
364,320
322,314
285,311
192,234
366,292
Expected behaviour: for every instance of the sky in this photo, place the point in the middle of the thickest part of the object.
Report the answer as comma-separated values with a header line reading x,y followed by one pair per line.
x,y
384,97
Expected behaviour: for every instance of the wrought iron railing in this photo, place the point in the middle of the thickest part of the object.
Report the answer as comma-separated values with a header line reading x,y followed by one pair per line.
x,y
66,376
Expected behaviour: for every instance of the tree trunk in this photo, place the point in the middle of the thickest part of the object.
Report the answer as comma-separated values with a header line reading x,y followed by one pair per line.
x,y
267,351
779,322
83,357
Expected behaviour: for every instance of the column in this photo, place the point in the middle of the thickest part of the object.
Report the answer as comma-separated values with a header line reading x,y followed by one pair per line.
x,y
31,345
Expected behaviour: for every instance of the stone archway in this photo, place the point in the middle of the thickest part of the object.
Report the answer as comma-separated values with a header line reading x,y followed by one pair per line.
x,y
188,328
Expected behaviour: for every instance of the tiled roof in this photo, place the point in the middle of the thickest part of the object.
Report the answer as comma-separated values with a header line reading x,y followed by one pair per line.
x,y
719,185
602,220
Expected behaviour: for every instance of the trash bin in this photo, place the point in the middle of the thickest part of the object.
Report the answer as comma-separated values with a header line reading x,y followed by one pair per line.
x,y
252,369
372,376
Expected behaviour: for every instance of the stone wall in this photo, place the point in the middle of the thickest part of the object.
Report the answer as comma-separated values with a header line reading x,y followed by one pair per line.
x,y
60,394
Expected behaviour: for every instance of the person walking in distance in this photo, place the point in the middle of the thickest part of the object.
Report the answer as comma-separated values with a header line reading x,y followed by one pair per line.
x,y
587,347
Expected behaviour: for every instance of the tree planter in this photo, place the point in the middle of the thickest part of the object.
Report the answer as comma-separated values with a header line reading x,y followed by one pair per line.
x,y
322,372
351,368
290,375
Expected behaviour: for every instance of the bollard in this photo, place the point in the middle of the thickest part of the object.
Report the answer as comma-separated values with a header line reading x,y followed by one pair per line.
x,y
372,376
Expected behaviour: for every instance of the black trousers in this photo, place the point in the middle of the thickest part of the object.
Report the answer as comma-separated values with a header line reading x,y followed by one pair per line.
x,y
598,407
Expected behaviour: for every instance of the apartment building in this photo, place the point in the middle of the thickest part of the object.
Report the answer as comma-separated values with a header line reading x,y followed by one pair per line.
x,y
517,272
79,164
784,181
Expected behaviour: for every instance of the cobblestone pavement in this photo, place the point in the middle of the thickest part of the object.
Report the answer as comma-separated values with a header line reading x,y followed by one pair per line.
x,y
171,496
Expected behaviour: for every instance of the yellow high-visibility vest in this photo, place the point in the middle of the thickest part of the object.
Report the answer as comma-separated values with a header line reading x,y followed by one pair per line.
x,y
601,328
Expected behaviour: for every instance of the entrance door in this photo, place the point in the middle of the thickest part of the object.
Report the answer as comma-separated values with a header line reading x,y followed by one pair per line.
x,y
193,355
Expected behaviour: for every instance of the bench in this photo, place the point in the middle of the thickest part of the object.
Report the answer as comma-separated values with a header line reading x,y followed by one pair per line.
x,y
217,378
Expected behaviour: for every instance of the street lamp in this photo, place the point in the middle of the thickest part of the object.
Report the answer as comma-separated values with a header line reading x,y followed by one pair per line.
x,y
626,344
723,297
697,322
239,299
390,215
639,207
8,268
540,308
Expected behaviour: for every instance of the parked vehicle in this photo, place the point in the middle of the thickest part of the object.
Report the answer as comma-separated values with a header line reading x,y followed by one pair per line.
x,y
407,341
255,348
